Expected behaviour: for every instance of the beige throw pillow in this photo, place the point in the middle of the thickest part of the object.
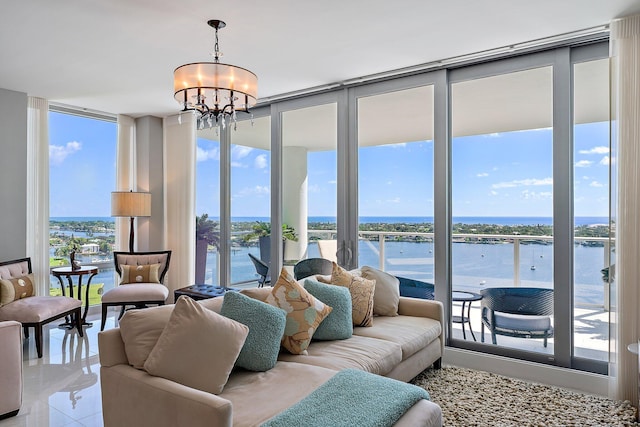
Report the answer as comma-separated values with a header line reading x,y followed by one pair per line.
x,y
15,289
304,312
140,273
386,296
140,330
361,290
197,348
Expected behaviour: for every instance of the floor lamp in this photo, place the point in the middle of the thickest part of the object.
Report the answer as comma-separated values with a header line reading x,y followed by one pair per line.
x,y
130,204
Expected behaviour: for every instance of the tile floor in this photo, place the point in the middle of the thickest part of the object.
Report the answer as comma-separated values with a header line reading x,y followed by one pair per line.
x,y
63,387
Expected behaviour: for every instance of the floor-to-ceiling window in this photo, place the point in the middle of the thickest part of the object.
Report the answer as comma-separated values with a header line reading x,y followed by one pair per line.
x,y
82,153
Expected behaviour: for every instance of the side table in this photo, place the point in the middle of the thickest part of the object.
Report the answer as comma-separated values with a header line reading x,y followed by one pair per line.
x,y
200,292
466,298
60,272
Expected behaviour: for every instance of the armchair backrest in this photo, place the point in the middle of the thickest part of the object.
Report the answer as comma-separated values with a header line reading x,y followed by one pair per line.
x,y
261,268
15,268
143,258
310,266
524,301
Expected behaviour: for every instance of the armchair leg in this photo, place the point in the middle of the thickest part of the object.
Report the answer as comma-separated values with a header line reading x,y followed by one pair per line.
x,y
493,338
438,363
38,339
26,332
482,332
121,312
104,316
545,340
78,316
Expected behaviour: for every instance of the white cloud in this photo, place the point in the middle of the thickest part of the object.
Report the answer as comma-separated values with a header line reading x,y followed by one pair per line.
x,y
491,135
57,153
523,183
482,174
314,188
595,150
203,155
333,181
238,165
240,152
605,161
529,195
261,161
586,178
389,182
583,163
493,193
252,191
394,200
398,145
595,184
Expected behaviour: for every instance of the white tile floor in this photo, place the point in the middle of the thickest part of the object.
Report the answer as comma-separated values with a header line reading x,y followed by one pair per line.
x,y
63,387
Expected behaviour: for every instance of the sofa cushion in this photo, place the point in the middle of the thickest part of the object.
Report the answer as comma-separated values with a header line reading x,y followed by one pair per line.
x,y
140,273
257,397
16,288
361,290
386,296
369,354
38,309
197,348
338,325
266,328
304,312
411,333
140,330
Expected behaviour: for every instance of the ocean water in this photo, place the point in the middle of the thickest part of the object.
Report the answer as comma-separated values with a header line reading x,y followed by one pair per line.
x,y
474,266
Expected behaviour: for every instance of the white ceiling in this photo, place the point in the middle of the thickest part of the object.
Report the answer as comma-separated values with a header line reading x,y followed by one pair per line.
x,y
118,56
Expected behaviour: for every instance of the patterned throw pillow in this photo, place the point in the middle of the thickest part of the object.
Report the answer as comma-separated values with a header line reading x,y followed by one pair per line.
x,y
361,291
15,289
304,312
140,273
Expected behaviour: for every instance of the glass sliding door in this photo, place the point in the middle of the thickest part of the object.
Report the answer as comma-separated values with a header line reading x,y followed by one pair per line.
x,y
395,182
250,197
208,244
309,180
592,252
502,207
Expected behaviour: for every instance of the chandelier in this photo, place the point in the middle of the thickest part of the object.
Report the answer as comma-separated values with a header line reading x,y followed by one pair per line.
x,y
214,90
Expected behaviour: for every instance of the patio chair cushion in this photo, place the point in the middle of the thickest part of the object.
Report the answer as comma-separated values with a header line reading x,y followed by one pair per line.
x,y
140,273
189,350
37,309
517,322
16,288
304,312
136,292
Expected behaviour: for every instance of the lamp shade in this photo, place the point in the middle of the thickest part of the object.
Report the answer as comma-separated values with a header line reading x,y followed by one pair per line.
x,y
130,204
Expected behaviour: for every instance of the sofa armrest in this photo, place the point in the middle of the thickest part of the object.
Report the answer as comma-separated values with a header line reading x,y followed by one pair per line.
x,y
133,397
423,308
11,382
111,348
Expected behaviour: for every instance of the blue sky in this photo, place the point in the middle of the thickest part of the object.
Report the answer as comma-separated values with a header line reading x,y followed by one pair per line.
x,y
507,174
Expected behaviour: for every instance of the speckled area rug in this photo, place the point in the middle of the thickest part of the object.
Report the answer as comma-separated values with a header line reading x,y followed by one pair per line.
x,y
476,398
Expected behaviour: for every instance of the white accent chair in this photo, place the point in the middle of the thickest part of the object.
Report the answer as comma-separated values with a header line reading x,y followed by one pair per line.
x,y
10,368
139,294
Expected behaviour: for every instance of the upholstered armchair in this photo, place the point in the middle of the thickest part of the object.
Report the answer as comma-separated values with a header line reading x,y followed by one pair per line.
x,y
10,368
18,301
141,281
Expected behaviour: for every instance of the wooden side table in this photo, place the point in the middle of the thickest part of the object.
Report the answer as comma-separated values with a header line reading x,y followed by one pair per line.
x,y
69,273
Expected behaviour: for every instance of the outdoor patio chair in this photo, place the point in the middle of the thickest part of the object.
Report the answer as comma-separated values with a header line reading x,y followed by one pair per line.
x,y
310,266
141,281
517,312
263,271
328,249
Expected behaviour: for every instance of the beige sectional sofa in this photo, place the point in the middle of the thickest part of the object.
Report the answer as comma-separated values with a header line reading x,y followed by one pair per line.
x,y
398,347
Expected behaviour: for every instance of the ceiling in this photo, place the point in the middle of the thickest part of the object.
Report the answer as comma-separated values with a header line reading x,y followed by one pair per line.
x,y
118,56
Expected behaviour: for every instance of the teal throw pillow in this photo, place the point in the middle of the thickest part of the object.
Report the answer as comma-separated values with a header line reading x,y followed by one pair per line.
x,y
266,326
338,325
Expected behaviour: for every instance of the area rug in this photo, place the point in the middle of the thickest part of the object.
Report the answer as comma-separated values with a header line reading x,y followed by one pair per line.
x,y
476,398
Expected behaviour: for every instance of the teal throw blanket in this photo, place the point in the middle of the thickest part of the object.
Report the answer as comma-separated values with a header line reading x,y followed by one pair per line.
x,y
352,398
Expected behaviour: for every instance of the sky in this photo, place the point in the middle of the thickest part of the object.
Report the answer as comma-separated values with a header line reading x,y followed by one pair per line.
x,y
503,174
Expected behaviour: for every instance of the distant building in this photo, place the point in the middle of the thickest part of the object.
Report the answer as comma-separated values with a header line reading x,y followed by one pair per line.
x,y
90,248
